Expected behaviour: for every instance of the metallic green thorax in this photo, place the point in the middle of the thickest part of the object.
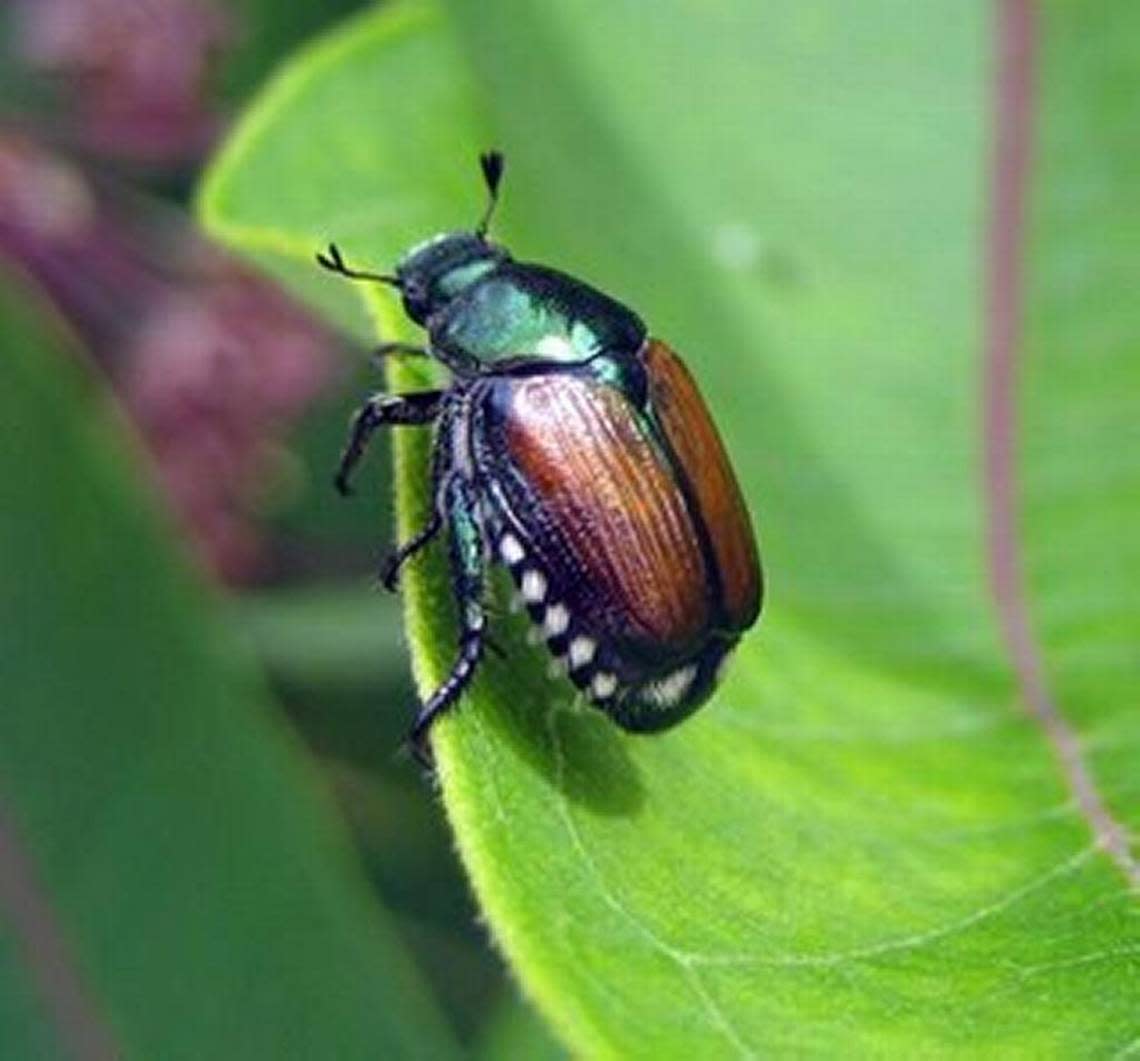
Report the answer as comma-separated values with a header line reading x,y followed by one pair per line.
x,y
481,306
528,310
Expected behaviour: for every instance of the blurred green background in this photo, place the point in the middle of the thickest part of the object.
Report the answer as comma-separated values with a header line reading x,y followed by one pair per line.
x,y
238,404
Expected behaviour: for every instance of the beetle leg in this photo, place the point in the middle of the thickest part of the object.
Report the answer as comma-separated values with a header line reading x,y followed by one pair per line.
x,y
395,560
383,410
390,572
467,573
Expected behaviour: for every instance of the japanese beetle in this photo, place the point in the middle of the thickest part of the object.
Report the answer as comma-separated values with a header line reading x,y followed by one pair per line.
x,y
576,450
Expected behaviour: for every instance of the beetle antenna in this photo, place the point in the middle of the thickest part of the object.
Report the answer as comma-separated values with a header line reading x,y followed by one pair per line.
x,y
492,163
335,263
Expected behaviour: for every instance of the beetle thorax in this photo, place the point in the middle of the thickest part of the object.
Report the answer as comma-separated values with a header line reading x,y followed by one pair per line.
x,y
432,273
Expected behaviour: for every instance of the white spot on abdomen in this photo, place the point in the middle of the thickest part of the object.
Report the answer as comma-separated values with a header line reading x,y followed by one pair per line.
x,y
603,685
671,690
533,587
556,620
511,550
581,651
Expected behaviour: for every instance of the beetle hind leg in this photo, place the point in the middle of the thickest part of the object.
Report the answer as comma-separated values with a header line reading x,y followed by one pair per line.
x,y
471,650
468,578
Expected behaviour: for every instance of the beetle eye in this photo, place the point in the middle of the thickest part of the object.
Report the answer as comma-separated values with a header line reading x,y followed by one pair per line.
x,y
414,291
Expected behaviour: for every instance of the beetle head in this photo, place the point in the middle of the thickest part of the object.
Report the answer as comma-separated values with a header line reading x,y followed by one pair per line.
x,y
433,273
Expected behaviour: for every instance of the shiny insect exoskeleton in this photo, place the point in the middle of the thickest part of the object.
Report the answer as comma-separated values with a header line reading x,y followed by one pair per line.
x,y
576,450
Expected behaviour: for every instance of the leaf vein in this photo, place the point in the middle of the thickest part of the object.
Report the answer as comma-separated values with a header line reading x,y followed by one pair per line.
x,y
685,961
1010,182
914,940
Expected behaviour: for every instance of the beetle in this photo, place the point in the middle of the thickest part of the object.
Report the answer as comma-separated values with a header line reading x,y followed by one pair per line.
x,y
574,449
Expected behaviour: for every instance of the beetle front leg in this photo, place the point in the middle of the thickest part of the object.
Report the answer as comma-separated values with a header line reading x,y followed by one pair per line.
x,y
384,410
468,577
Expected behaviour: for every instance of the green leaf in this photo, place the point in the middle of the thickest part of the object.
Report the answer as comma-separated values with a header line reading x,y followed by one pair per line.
x,y
514,1031
887,833
173,880
323,637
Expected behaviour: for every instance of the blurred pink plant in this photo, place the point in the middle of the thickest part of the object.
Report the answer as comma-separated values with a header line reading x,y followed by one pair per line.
x,y
215,374
212,363
133,71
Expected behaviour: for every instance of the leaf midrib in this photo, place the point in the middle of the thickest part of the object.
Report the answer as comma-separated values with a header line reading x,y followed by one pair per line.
x,y
1014,102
